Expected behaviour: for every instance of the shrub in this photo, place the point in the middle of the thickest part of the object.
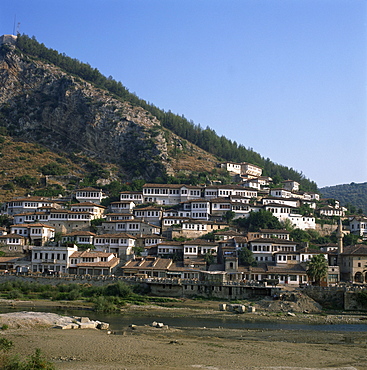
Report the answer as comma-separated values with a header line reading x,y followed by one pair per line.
x,y
104,304
53,169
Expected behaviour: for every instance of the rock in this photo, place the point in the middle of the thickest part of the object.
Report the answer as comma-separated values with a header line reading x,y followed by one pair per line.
x,y
251,309
84,320
223,307
241,309
291,314
103,325
88,325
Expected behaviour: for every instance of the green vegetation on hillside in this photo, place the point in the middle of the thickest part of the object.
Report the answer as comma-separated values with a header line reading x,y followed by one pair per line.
x,y
353,196
206,139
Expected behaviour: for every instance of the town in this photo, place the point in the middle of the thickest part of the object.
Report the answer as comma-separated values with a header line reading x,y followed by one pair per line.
x,y
184,239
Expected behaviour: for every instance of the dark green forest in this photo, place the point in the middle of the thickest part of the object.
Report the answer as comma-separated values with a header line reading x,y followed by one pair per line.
x,y
205,138
352,195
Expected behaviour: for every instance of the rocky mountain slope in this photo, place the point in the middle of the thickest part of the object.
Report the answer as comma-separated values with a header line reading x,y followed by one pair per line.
x,y
40,103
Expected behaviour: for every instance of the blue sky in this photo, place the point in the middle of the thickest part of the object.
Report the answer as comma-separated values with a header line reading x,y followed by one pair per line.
x,y
287,78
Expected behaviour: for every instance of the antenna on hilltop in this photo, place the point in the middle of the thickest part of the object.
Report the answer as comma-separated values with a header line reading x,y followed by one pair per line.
x,y
15,18
18,26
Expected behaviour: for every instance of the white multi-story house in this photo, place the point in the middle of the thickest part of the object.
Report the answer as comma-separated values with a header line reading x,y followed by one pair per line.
x,y
121,244
199,209
93,263
40,234
291,185
251,169
291,202
123,206
132,196
79,238
152,215
264,249
29,204
358,226
90,195
280,193
35,233
166,194
30,217
232,167
198,248
96,209
133,227
169,248
119,216
13,242
331,211
55,259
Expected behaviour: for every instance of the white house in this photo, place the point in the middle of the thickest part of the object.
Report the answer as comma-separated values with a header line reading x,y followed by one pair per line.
x,y
358,226
121,244
123,206
93,263
131,196
96,209
46,259
291,185
90,195
29,204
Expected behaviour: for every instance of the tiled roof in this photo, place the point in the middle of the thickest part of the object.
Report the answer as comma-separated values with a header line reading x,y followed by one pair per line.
x,y
90,254
274,231
149,263
199,242
111,263
90,204
357,250
273,240
80,233
119,235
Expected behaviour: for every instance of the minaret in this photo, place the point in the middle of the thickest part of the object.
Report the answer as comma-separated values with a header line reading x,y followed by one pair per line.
x,y
339,235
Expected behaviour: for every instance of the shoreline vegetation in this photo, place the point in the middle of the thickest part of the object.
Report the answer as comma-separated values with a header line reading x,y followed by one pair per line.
x,y
146,347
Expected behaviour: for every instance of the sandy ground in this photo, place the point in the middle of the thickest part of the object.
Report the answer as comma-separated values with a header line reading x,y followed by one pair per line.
x,y
144,347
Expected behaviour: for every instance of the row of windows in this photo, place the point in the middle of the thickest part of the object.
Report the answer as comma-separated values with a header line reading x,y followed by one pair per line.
x,y
87,195
199,215
46,256
147,213
193,226
110,241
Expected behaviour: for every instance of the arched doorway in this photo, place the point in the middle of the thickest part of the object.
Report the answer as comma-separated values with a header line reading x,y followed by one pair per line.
x,y
358,277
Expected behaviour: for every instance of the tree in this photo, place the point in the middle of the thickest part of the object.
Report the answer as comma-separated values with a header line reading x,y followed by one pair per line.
x,y
228,216
209,258
259,220
317,268
246,257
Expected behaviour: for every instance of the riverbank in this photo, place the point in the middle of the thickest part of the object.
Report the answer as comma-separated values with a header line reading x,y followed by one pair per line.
x,y
145,347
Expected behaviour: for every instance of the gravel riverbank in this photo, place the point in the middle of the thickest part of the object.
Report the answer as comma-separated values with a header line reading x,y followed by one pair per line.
x,y
145,347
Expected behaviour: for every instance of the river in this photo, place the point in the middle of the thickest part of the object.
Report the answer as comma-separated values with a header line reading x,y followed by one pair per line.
x,y
119,321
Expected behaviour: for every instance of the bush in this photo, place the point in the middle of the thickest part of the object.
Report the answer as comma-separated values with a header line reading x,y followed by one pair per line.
x,y
14,294
104,304
53,169
119,289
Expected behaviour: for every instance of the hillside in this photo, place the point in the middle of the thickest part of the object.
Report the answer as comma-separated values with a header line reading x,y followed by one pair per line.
x,y
348,194
93,122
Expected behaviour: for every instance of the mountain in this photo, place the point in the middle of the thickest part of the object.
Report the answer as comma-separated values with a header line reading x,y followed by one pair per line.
x,y
95,124
348,194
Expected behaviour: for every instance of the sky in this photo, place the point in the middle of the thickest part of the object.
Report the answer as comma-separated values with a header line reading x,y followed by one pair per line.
x,y
287,78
